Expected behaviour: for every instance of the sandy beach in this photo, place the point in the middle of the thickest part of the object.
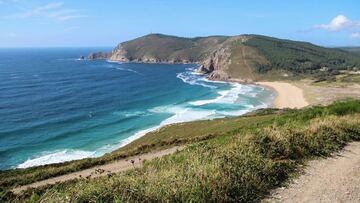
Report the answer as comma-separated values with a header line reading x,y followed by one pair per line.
x,y
288,95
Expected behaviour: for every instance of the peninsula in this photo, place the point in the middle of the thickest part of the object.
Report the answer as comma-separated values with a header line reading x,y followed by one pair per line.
x,y
243,58
249,59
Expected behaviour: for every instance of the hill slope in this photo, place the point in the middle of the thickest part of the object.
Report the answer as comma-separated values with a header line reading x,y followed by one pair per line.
x,y
243,57
351,49
226,160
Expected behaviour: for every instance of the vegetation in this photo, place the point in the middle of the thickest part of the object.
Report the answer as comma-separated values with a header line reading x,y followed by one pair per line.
x,y
350,78
253,57
171,135
171,48
351,49
301,59
236,160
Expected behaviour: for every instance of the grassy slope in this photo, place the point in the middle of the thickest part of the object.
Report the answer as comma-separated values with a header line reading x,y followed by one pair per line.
x,y
299,59
244,60
259,57
166,47
172,135
241,161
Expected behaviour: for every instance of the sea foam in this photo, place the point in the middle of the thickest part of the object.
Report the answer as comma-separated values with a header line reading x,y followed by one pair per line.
x,y
225,97
192,78
185,112
57,157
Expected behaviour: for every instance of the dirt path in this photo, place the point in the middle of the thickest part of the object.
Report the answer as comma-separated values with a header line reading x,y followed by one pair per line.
x,y
335,179
115,167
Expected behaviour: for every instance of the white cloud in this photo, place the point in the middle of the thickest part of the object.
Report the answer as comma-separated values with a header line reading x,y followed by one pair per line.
x,y
53,10
62,12
340,22
355,35
69,17
41,9
66,14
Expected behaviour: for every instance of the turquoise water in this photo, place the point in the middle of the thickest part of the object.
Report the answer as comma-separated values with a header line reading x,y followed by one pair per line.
x,y
55,108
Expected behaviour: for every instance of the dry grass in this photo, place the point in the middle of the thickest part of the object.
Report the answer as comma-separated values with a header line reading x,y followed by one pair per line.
x,y
241,166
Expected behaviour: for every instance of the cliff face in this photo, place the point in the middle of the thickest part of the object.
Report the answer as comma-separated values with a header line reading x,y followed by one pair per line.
x,y
98,56
216,64
241,58
158,48
122,54
213,54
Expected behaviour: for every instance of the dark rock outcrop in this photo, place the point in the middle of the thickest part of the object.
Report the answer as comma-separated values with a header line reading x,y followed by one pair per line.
x,y
98,56
215,64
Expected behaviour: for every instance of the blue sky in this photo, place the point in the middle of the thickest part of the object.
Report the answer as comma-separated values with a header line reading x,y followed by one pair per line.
x,y
49,23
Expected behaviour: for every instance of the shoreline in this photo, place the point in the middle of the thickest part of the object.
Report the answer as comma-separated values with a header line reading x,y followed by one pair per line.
x,y
142,132
281,90
146,62
106,169
287,95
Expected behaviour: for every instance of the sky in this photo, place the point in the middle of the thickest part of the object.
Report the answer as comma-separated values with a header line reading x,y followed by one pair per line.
x,y
94,23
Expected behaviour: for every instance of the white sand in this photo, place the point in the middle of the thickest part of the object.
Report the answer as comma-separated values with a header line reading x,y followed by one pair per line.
x,y
288,95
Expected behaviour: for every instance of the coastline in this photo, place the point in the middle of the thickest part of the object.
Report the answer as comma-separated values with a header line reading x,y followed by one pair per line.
x,y
282,90
147,62
287,95
142,132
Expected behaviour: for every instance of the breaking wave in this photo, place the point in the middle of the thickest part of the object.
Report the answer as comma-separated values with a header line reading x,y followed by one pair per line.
x,y
231,99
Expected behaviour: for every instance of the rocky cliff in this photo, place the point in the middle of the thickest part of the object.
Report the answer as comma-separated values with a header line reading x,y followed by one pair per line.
x,y
99,55
241,58
211,53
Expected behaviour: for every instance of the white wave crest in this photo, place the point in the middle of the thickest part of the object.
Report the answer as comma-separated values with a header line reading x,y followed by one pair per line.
x,y
111,64
181,114
130,113
128,70
193,79
57,157
117,62
226,96
187,114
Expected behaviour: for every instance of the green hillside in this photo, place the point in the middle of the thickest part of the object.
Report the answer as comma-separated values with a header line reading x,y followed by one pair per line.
x,y
244,57
301,59
226,160
351,49
167,48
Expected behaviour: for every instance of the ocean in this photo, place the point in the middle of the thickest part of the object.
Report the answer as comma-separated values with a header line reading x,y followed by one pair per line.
x,y
56,108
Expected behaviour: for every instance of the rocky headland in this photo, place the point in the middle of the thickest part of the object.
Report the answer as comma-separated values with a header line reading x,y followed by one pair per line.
x,y
243,58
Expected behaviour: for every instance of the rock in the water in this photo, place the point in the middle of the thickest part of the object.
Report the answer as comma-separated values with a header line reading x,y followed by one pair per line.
x,y
98,55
